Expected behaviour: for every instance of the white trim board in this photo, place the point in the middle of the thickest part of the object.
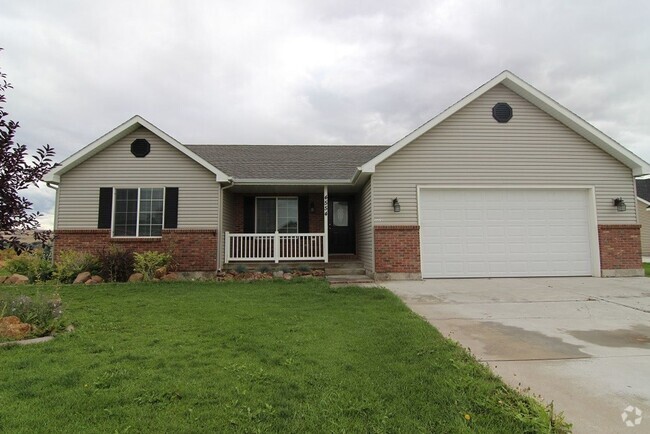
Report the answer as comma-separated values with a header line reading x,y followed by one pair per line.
x,y
116,134
553,108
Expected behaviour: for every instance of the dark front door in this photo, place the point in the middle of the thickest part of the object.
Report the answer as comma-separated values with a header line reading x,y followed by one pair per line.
x,y
341,225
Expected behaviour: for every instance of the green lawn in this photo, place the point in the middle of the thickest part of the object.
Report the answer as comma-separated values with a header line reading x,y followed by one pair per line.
x,y
646,266
250,357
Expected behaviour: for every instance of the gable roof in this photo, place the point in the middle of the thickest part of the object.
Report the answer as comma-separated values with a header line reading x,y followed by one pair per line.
x,y
118,133
571,120
299,163
643,190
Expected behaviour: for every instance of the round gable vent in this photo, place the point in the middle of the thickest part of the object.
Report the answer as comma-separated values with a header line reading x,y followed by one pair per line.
x,y
140,148
502,112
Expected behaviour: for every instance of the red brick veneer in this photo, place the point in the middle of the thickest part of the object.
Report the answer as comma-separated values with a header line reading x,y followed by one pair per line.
x,y
192,249
620,247
397,249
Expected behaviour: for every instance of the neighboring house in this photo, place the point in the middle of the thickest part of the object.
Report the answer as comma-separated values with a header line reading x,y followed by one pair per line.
x,y
506,182
643,210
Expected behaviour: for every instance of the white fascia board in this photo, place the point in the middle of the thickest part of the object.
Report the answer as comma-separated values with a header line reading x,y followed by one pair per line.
x,y
292,181
116,134
643,200
580,126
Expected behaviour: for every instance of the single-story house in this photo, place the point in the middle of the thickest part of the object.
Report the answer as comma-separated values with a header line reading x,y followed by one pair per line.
x,y
506,182
643,211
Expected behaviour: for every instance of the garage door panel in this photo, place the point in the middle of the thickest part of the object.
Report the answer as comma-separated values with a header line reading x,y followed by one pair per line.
x,y
504,232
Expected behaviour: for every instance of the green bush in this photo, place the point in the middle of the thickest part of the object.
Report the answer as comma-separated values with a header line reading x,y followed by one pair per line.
x,y
33,264
241,268
71,263
115,263
42,312
148,262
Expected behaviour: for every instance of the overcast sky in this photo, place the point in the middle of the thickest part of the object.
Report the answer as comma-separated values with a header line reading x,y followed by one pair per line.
x,y
310,72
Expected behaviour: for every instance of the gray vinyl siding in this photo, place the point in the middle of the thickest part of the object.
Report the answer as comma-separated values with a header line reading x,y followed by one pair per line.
x,y
471,148
115,166
228,220
644,221
365,232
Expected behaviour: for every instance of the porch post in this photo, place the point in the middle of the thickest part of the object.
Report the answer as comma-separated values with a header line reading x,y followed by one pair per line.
x,y
325,225
227,247
276,247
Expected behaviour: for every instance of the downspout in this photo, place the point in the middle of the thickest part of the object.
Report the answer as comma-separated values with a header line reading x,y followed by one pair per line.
x,y
220,235
56,213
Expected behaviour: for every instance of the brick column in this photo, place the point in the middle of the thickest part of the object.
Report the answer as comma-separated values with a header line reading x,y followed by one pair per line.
x,y
397,252
620,250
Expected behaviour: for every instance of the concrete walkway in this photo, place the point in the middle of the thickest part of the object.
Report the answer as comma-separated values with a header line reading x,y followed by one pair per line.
x,y
583,343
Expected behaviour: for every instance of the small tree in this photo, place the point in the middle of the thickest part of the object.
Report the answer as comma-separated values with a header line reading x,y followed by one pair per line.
x,y
16,174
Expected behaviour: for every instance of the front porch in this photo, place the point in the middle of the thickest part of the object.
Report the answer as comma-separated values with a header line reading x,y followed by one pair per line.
x,y
277,224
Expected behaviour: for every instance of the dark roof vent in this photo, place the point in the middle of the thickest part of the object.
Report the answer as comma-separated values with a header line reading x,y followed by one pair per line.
x,y
140,148
502,112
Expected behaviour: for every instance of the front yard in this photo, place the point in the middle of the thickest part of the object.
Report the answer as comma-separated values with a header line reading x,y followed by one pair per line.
x,y
250,357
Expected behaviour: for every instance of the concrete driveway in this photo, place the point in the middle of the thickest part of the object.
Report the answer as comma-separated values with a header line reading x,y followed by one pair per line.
x,y
583,343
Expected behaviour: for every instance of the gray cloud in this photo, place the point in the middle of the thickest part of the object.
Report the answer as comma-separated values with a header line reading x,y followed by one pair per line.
x,y
299,72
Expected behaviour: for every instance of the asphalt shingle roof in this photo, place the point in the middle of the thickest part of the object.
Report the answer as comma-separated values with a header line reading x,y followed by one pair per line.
x,y
280,162
643,189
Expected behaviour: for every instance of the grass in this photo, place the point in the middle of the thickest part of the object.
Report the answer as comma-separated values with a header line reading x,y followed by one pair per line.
x,y
251,357
646,266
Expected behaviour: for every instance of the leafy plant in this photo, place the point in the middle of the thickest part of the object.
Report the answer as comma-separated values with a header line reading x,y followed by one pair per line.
x,y
304,268
115,263
286,269
241,268
16,175
42,312
148,262
265,269
71,263
33,264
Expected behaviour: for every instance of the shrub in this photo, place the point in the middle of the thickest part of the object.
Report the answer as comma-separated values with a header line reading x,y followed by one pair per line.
x,y
42,312
148,262
241,269
33,264
304,268
71,263
286,269
115,263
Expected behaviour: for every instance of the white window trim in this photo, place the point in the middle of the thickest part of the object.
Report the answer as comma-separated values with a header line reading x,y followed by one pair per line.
x,y
137,224
276,211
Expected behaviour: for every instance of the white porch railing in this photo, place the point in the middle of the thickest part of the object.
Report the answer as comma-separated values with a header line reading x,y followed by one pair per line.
x,y
275,247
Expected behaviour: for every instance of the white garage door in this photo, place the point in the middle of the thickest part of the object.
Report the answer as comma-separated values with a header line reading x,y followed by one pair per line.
x,y
504,232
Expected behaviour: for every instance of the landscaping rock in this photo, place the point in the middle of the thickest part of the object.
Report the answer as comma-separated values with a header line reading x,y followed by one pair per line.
x,y
170,277
287,276
90,282
82,277
279,274
98,279
136,277
229,277
318,273
11,327
160,272
3,278
17,279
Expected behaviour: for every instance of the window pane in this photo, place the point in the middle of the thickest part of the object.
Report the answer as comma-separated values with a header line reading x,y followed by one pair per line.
x,y
126,212
287,215
265,215
340,213
151,212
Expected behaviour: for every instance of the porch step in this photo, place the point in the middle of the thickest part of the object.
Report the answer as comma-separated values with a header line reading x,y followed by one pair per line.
x,y
351,279
345,271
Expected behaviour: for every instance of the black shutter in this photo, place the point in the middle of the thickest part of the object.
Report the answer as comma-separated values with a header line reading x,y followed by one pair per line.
x,y
171,207
249,214
105,208
303,214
